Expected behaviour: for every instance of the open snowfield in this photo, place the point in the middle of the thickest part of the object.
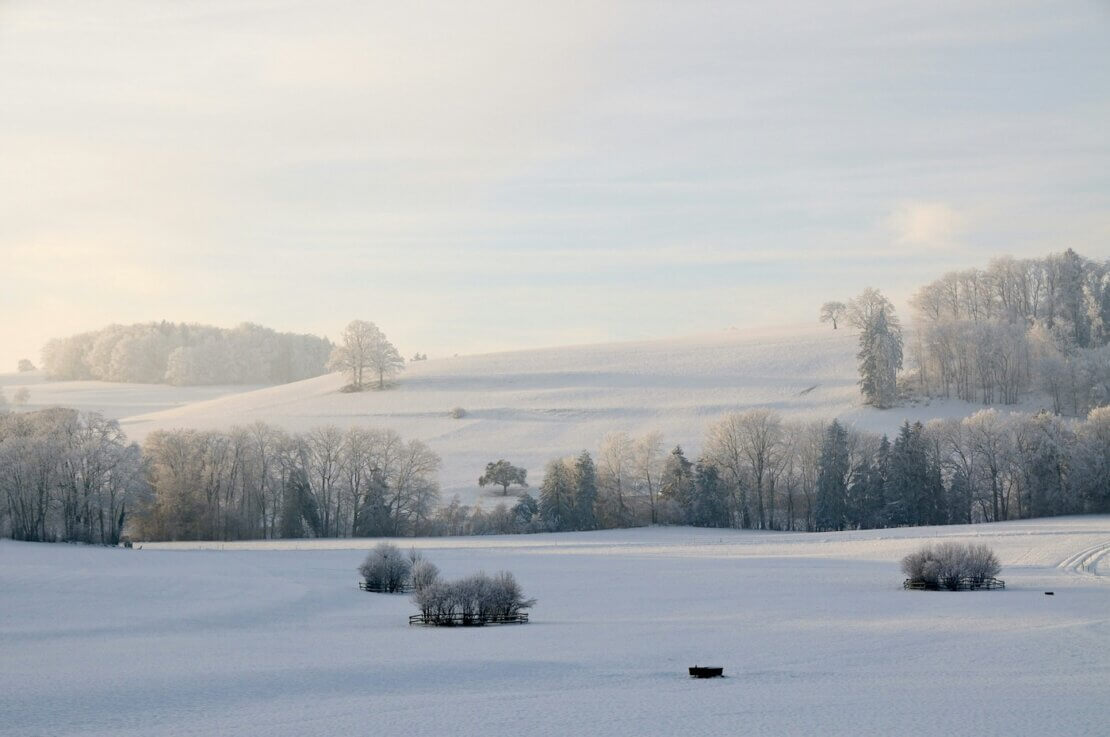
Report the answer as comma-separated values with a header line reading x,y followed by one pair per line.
x,y
814,631
532,406
113,400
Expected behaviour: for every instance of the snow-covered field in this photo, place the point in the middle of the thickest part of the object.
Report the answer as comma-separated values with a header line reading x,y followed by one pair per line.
x,y
113,400
814,631
532,406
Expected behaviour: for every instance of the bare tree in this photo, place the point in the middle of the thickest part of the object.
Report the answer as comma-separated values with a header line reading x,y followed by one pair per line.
x,y
365,349
833,312
648,467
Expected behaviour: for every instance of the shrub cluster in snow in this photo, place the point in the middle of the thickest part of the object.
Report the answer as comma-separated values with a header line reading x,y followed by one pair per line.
x,y
471,600
947,565
387,569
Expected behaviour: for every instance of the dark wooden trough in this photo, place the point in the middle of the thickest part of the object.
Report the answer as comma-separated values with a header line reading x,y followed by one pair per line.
x,y
701,671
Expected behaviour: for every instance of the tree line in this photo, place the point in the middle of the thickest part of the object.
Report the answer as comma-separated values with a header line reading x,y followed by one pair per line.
x,y
186,354
758,471
66,475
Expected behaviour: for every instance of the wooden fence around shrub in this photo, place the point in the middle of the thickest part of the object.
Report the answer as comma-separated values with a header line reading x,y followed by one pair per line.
x,y
379,589
460,620
965,584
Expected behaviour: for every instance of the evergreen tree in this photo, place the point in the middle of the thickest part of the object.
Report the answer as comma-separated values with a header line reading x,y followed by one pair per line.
x,y
373,517
557,509
870,499
585,492
832,479
298,507
676,483
912,488
525,511
880,359
710,503
959,497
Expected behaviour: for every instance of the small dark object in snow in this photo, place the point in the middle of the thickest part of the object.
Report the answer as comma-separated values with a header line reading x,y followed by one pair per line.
x,y
1050,593
701,671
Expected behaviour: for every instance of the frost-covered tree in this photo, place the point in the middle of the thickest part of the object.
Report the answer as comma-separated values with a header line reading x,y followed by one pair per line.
x,y
615,475
1092,461
66,475
25,365
676,483
880,359
833,312
557,508
365,349
387,569
504,474
186,354
22,396
647,467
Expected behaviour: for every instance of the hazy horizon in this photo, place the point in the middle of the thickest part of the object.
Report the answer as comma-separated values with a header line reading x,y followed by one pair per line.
x,y
520,175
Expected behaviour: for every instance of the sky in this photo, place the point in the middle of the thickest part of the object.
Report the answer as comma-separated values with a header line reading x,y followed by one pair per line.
x,y
488,176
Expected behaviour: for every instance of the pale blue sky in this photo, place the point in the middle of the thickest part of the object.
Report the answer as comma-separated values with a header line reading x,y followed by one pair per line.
x,y
498,175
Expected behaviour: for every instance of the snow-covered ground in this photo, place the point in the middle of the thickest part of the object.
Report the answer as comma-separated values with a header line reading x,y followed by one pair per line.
x,y
814,632
113,400
532,406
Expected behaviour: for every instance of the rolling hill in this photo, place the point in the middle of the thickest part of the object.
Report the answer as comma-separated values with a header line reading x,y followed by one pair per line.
x,y
531,406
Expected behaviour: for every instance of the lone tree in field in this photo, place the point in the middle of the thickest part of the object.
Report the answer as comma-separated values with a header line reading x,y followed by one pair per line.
x,y
25,365
504,474
833,312
365,349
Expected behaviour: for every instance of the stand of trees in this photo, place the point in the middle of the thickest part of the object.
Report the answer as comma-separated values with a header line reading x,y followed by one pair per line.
x,y
186,354
758,471
990,335
260,482
365,352
67,476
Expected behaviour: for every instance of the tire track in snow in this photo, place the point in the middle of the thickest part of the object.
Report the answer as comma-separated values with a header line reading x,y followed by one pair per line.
x,y
1086,561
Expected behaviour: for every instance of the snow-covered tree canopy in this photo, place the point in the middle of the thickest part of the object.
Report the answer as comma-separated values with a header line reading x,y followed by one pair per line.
x,y
365,350
186,354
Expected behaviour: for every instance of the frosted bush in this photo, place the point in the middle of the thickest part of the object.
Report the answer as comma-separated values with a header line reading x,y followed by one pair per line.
x,y
947,564
472,600
982,564
386,568
424,574
458,413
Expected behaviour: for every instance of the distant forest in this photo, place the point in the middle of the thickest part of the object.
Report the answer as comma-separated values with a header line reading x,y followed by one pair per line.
x,y
990,335
185,354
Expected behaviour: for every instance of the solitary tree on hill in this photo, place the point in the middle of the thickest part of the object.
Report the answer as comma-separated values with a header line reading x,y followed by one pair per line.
x,y
504,474
833,312
365,349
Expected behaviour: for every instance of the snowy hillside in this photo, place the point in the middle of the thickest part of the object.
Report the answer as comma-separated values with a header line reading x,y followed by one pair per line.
x,y
814,631
113,400
531,406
